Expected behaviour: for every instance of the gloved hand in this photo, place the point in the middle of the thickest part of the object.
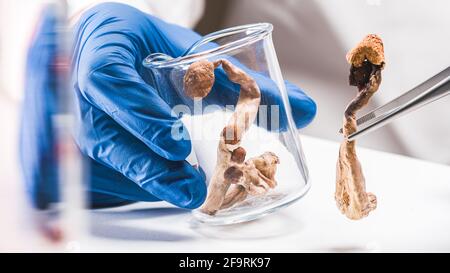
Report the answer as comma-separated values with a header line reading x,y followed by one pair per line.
x,y
125,123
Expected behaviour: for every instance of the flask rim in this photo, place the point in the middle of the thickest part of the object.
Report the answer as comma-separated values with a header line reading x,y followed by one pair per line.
x,y
253,33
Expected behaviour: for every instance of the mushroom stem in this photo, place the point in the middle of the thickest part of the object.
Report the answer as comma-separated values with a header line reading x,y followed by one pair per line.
x,y
367,61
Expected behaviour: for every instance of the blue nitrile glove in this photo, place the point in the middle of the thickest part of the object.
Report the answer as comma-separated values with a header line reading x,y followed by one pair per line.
x,y
125,124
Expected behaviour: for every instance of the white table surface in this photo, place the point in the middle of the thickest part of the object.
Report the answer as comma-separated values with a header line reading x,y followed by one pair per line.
x,y
413,214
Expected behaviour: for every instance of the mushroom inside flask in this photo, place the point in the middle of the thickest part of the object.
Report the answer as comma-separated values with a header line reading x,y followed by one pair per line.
x,y
234,178
367,61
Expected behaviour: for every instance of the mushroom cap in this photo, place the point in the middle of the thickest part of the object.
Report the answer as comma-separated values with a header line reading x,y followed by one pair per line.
x,y
370,48
199,79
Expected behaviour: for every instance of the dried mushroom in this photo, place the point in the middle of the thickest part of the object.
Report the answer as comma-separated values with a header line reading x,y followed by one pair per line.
x,y
367,61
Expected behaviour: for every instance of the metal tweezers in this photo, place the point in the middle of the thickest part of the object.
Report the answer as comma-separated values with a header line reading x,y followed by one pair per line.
x,y
432,89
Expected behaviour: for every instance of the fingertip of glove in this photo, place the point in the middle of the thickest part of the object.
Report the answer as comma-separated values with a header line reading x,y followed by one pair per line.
x,y
308,111
195,190
179,183
304,108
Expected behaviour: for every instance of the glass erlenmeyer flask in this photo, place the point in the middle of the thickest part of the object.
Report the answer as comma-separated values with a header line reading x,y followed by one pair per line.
x,y
250,49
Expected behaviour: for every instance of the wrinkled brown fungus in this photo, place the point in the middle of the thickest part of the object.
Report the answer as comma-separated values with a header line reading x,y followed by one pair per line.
x,y
199,79
367,61
234,178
